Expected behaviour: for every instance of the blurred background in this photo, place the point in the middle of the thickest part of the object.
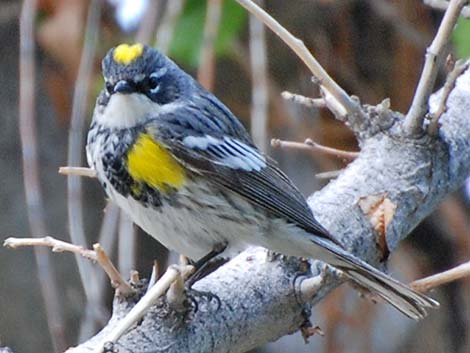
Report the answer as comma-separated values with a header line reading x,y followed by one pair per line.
x,y
373,48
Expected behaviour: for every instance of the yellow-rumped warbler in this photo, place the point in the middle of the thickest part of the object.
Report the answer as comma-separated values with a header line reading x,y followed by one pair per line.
x,y
175,158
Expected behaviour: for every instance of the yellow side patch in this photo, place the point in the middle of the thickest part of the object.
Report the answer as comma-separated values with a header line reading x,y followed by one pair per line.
x,y
125,54
151,163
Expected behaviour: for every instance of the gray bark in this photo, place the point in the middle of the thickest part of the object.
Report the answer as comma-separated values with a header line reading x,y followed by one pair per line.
x,y
260,298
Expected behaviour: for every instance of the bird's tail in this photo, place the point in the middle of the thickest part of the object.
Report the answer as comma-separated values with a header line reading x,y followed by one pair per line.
x,y
405,299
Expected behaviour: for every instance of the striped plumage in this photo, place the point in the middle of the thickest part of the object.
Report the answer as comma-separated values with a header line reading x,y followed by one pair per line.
x,y
181,164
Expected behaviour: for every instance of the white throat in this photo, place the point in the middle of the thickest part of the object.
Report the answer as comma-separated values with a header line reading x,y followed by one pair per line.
x,y
126,110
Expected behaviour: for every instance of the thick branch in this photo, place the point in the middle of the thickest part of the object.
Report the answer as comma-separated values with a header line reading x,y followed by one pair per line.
x,y
416,175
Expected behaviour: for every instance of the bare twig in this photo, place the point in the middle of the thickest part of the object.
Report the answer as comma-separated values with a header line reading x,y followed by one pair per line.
x,y
240,55
92,313
311,145
118,283
443,5
34,202
259,77
139,310
329,175
166,28
425,284
56,245
413,124
327,84
78,171
205,74
98,255
459,68
306,101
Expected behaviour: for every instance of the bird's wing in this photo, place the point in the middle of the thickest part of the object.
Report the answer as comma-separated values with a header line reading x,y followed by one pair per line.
x,y
212,143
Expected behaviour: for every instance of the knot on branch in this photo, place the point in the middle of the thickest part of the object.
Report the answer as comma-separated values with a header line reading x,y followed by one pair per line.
x,y
377,118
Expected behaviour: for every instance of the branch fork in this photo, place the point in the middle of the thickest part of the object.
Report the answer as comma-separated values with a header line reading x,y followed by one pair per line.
x,y
435,53
97,255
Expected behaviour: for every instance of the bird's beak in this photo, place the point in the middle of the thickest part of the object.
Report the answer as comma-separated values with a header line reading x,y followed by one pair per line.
x,y
123,87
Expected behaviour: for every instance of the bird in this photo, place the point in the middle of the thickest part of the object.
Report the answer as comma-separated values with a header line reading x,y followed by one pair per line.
x,y
183,167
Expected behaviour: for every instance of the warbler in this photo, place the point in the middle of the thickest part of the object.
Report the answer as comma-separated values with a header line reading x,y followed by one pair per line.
x,y
184,168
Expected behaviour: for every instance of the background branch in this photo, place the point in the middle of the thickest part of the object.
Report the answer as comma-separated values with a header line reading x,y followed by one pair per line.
x,y
459,67
32,187
74,158
206,71
259,83
168,23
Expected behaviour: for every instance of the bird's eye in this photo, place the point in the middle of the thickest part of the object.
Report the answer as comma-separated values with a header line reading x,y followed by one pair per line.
x,y
155,80
109,88
153,84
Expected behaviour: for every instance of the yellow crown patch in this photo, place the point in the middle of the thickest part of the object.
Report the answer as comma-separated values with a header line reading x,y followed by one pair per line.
x,y
124,54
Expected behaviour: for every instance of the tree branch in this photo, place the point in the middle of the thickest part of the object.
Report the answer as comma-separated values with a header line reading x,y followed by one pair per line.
x,y
434,56
313,146
428,283
78,171
444,4
96,255
344,104
306,101
459,67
